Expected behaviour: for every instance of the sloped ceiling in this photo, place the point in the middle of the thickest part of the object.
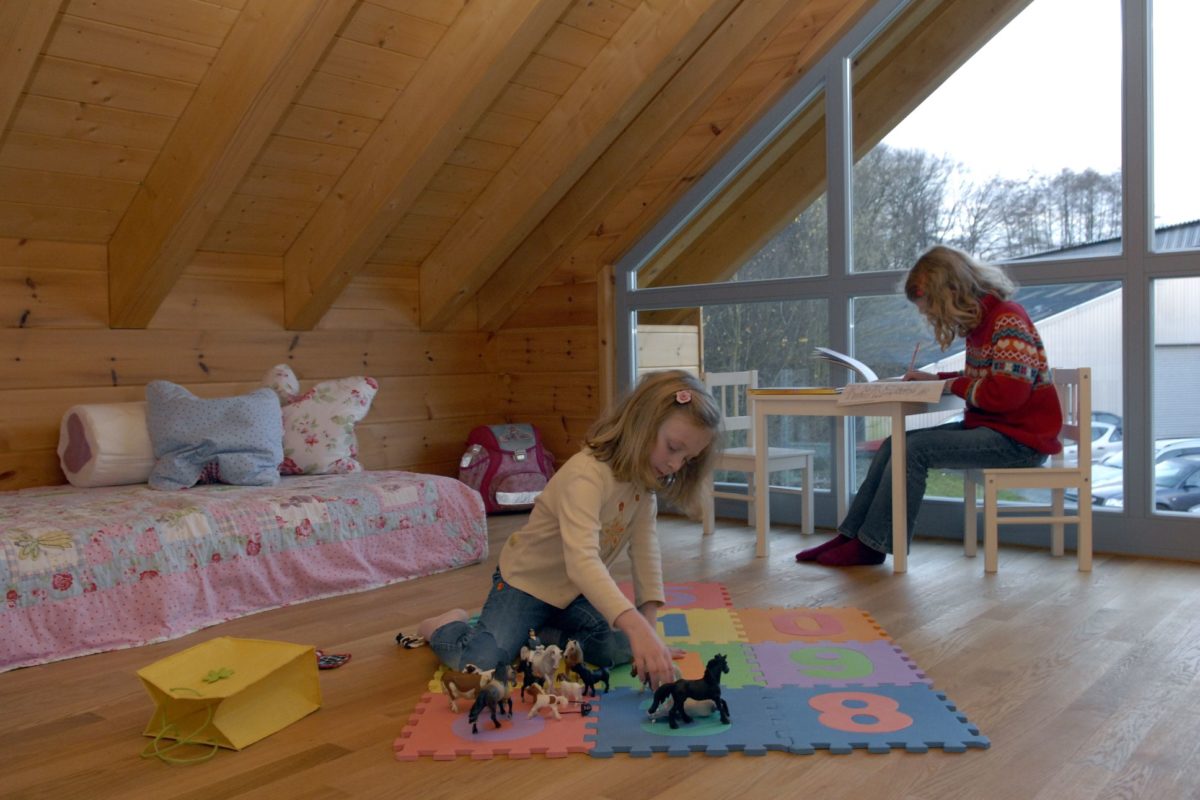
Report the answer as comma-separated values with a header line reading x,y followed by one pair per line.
x,y
478,147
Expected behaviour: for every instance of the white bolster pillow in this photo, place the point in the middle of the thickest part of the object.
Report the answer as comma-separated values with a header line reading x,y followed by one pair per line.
x,y
105,444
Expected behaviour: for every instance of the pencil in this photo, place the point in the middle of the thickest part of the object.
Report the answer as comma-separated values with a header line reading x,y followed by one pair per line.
x,y
913,362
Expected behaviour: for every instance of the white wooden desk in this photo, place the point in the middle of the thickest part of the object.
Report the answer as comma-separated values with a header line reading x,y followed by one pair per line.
x,y
804,403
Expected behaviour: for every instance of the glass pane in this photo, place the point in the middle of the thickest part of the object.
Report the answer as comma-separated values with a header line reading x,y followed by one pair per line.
x,y
1018,152
769,222
1176,125
1080,326
1176,385
774,338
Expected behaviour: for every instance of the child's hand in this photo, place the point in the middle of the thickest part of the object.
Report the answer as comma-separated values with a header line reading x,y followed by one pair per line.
x,y
918,375
651,657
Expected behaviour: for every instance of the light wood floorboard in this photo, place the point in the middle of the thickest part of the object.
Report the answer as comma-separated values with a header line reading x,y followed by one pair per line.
x,y
1088,686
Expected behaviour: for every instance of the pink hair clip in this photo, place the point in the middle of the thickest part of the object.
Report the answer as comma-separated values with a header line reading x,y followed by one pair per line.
x,y
683,397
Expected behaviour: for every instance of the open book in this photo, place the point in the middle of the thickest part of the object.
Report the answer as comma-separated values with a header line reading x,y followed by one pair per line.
x,y
876,390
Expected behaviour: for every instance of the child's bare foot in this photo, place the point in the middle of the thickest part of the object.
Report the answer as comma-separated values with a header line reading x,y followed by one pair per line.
x,y
428,626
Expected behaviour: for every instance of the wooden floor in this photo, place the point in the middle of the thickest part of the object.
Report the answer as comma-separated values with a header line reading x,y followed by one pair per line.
x,y
1088,686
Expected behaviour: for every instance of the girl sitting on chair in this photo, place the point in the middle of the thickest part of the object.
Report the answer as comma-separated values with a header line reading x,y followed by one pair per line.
x,y
1012,416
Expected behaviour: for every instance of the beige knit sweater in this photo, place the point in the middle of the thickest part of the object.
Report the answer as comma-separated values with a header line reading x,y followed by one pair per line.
x,y
578,527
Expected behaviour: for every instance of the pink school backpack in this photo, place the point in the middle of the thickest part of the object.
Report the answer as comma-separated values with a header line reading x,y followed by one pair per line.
x,y
507,464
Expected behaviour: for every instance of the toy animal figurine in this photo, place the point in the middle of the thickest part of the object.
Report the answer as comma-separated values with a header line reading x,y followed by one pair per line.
x,y
464,684
495,694
706,688
573,659
543,698
529,681
694,708
571,690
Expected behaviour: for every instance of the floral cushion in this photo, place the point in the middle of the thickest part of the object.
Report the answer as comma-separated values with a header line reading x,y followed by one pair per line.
x,y
318,425
233,439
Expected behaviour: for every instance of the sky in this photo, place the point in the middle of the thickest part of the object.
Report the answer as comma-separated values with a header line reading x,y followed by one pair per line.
x,y
1056,69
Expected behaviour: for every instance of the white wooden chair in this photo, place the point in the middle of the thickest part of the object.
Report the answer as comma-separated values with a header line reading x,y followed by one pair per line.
x,y
730,391
1060,473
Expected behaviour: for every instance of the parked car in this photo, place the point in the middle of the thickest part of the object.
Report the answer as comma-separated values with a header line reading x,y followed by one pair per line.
x,y
1106,440
1163,449
1176,486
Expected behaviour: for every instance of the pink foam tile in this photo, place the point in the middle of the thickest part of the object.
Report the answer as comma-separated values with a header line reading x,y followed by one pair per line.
x,y
690,594
436,732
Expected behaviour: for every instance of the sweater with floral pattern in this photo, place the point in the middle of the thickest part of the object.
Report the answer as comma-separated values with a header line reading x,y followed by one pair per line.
x,y
1006,381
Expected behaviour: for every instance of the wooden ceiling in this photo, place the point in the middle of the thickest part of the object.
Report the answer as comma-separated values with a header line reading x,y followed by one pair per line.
x,y
474,150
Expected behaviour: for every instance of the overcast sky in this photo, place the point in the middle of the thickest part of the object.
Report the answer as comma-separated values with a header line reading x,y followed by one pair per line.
x,y
1045,94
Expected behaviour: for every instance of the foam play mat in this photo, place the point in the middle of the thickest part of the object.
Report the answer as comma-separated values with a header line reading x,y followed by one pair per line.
x,y
799,680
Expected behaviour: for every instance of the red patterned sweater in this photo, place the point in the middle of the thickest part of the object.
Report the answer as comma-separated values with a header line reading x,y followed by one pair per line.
x,y
1006,382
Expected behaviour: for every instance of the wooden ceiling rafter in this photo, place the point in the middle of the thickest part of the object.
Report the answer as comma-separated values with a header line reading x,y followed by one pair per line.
x,y
468,68
627,73
263,62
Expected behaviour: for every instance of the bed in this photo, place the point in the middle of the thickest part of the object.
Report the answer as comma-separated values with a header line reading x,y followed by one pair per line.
x,y
85,570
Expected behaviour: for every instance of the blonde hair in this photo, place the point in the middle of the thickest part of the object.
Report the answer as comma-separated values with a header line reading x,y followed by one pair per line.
x,y
625,436
953,284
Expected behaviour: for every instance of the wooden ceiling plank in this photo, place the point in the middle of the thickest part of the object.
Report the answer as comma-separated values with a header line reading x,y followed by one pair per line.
x,y
269,53
466,71
24,29
701,80
610,93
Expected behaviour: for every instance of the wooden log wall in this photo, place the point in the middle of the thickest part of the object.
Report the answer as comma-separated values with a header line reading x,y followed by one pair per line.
x,y
221,328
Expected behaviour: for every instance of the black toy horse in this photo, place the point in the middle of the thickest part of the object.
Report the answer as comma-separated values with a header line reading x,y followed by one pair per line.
x,y
707,688
495,695
590,677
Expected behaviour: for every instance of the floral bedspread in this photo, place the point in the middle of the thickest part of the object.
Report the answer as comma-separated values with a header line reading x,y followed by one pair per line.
x,y
89,570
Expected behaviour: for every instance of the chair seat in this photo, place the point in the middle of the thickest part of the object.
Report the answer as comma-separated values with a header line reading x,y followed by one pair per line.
x,y
776,455
1074,394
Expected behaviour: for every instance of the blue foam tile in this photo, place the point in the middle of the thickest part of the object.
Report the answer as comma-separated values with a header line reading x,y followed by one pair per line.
x,y
622,726
875,718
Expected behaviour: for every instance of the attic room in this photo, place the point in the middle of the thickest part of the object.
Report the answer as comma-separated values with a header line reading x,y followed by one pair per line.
x,y
454,213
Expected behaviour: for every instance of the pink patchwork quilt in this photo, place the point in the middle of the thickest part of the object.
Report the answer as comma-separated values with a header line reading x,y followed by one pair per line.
x,y
88,570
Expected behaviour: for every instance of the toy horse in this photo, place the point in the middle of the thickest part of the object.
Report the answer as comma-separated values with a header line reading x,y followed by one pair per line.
x,y
495,693
538,665
573,658
707,688
463,684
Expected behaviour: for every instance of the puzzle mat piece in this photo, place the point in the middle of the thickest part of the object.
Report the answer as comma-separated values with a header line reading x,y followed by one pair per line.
x,y
435,731
742,670
807,624
879,718
697,625
689,594
624,727
833,664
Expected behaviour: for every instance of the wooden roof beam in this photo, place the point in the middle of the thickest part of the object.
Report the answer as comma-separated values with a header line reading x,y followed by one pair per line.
x,y
24,29
265,59
469,67
641,57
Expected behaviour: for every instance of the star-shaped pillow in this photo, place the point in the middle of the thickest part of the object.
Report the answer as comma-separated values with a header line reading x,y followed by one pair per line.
x,y
318,425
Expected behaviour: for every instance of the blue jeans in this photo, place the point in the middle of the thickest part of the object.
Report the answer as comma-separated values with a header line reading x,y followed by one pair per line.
x,y
507,617
949,446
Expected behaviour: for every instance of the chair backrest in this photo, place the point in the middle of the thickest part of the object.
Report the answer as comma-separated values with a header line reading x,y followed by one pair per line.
x,y
1074,388
729,390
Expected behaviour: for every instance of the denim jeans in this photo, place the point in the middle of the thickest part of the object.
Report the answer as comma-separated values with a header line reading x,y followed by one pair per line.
x,y
507,617
949,446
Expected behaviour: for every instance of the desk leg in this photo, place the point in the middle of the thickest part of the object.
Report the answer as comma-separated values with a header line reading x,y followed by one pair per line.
x,y
762,484
899,495
842,472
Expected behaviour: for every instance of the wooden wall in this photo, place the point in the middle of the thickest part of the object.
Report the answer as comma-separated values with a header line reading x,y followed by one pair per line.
x,y
221,328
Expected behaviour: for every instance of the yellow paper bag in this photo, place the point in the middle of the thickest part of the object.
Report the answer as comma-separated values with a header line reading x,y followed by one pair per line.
x,y
231,692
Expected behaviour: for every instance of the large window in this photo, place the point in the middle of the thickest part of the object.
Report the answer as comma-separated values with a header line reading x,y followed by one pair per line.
x,y
1017,137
